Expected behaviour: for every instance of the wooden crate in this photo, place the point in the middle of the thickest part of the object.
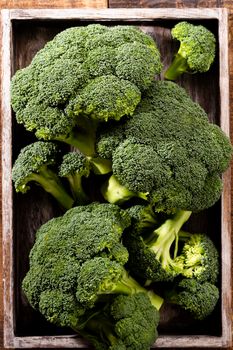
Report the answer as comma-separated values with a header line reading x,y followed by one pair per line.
x,y
24,33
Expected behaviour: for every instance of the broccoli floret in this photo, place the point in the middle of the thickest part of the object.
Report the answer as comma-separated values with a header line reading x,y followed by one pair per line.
x,y
168,152
143,218
198,258
150,256
81,75
105,97
74,167
34,164
128,322
196,52
136,321
101,276
199,299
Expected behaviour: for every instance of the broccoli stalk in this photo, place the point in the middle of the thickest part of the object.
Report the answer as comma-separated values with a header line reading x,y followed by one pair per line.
x,y
51,183
115,193
150,255
178,66
162,238
33,164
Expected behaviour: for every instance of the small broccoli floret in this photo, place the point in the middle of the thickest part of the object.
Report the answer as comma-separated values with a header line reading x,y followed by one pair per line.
x,y
138,167
136,321
34,164
150,256
196,52
101,276
199,299
74,167
128,322
199,258
106,97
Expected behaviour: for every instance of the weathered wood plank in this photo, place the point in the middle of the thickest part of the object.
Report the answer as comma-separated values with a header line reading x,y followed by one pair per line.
x,y
52,4
180,342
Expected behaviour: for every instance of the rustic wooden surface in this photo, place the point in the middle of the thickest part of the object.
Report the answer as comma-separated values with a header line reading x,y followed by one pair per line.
x,y
122,3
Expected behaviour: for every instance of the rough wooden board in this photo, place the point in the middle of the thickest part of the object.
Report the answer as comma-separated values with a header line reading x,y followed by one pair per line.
x,y
10,4
125,3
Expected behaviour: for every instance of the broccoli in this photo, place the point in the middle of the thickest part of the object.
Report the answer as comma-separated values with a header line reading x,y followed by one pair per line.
x,y
167,153
196,52
198,258
143,218
35,164
199,299
74,167
84,76
126,322
89,238
101,276
150,255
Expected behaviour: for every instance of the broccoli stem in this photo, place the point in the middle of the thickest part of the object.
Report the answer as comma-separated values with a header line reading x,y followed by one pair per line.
x,y
161,240
101,166
52,184
115,193
77,190
128,285
178,66
81,140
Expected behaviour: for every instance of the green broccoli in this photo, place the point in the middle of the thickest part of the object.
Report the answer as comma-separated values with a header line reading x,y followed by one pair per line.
x,y
74,167
198,258
199,299
127,322
196,52
143,218
101,276
35,164
167,153
83,76
150,255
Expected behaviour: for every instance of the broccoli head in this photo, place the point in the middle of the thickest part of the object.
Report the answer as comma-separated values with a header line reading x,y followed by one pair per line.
x,y
196,52
95,73
199,299
35,164
167,153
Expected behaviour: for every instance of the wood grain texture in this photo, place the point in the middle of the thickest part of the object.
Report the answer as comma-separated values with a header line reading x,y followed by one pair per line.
x,y
41,4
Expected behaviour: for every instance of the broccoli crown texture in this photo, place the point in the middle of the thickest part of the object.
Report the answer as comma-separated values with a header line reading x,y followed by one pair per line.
x,y
34,164
72,163
102,276
95,71
167,151
136,321
199,258
64,243
197,298
127,322
196,52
